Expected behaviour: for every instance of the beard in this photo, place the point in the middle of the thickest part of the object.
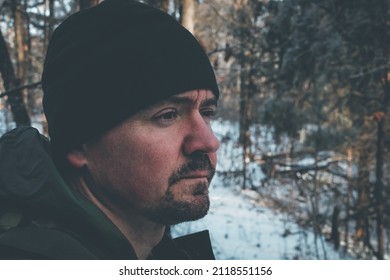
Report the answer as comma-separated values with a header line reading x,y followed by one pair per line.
x,y
170,211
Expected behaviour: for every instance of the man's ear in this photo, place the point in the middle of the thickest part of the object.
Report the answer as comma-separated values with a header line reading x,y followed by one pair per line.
x,y
76,158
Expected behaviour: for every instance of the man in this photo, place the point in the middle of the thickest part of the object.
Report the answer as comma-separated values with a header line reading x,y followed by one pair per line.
x,y
128,95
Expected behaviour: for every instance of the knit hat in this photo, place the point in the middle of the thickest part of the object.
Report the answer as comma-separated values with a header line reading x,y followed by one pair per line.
x,y
108,62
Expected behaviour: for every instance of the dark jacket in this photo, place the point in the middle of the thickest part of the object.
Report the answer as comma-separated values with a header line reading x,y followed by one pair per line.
x,y
41,217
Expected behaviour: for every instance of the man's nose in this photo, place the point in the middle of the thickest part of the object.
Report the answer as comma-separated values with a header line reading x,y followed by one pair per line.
x,y
199,137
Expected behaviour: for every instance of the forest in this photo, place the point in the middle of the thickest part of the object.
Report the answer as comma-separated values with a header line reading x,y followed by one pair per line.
x,y
305,82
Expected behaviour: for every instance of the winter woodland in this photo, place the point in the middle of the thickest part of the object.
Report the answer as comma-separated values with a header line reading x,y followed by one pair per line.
x,y
304,165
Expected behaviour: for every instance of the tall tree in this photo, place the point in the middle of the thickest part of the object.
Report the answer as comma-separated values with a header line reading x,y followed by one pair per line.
x,y
22,49
245,28
10,81
49,22
187,14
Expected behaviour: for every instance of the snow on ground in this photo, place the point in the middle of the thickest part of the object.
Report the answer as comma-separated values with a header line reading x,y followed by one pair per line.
x,y
241,228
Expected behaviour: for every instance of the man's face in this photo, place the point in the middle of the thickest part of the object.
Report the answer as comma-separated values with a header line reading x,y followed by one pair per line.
x,y
158,164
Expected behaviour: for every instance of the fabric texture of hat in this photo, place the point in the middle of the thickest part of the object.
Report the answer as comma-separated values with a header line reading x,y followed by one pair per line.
x,y
108,62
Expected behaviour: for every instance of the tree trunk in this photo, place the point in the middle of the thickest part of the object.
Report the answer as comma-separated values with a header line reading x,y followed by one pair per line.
x,y
246,99
187,14
379,186
247,85
10,81
21,44
363,199
378,189
49,29
49,24
348,198
335,235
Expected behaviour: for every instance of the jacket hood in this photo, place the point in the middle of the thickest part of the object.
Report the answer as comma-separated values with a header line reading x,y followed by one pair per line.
x,y
31,186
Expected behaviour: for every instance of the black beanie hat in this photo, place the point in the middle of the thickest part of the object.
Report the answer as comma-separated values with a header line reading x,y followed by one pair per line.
x,y
106,63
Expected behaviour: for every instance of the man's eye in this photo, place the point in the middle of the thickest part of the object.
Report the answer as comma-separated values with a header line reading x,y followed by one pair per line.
x,y
166,117
209,114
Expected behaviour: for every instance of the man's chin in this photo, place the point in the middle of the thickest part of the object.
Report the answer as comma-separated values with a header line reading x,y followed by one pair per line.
x,y
182,212
179,220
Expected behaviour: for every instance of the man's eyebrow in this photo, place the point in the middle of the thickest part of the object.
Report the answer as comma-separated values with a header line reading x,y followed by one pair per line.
x,y
209,102
178,100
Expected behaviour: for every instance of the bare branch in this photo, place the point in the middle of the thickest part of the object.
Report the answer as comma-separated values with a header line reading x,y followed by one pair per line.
x,y
11,91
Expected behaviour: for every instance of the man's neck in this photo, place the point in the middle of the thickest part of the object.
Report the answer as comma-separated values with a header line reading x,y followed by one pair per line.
x,y
142,233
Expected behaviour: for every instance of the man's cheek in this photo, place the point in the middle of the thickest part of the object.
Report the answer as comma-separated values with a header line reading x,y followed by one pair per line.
x,y
144,192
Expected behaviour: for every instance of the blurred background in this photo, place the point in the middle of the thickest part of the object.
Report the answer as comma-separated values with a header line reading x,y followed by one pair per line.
x,y
303,116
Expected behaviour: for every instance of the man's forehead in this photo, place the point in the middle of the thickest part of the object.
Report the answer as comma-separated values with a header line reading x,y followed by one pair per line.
x,y
203,97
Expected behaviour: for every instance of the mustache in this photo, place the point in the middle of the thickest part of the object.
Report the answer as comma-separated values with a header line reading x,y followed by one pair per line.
x,y
198,163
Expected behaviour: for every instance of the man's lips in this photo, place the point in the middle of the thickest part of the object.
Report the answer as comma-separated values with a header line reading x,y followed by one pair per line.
x,y
202,179
198,175
198,167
